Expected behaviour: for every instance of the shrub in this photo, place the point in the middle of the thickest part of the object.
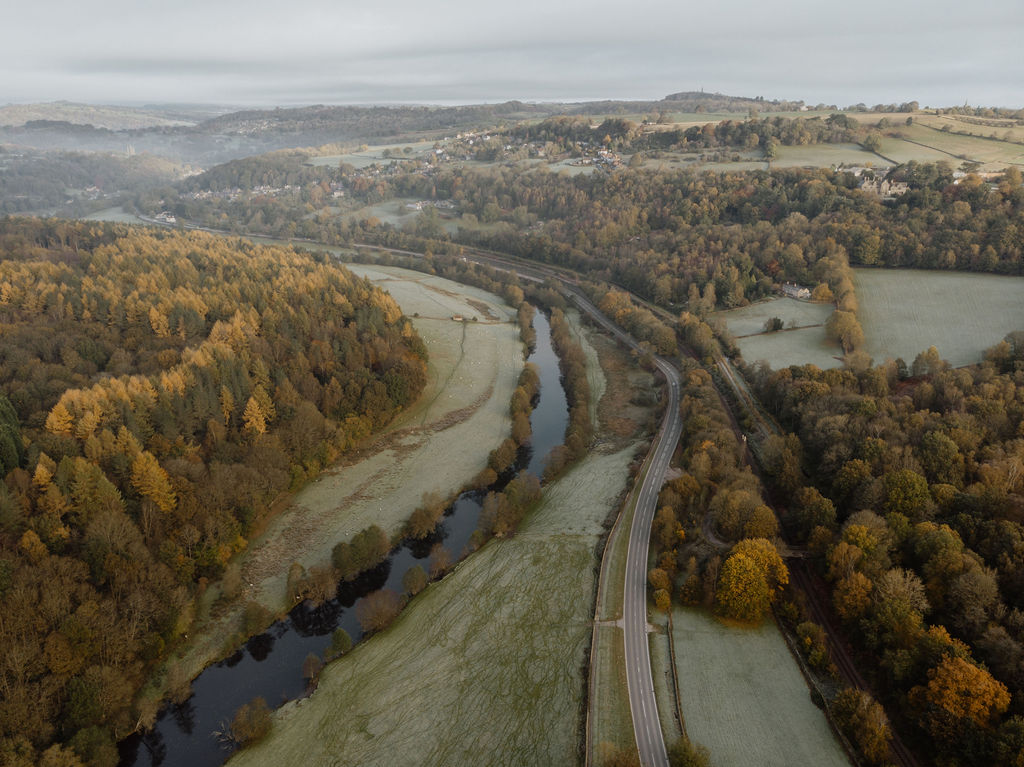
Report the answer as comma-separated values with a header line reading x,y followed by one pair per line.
x,y
251,723
341,643
376,611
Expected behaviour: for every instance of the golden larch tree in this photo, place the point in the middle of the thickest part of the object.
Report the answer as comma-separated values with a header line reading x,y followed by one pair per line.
x,y
152,482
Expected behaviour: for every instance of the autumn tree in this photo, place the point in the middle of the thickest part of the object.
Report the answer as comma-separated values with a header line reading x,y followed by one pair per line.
x,y
906,493
251,722
750,579
414,580
146,473
152,482
426,516
864,722
852,596
341,643
843,328
685,753
378,609
958,693
253,417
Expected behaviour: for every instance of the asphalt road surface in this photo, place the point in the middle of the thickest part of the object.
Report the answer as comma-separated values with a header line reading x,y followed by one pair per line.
x,y
650,741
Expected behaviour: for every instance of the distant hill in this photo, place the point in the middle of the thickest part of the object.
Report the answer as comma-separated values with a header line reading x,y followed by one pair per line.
x,y
329,123
691,101
110,117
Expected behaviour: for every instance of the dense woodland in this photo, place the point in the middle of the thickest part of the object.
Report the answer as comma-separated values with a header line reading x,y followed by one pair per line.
x,y
902,482
159,392
906,487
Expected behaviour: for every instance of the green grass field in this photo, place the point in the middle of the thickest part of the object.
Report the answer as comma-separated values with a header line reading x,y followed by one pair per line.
x,y
924,144
1001,130
904,311
743,696
826,155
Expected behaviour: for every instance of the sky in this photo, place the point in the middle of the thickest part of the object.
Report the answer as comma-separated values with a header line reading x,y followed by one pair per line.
x,y
257,52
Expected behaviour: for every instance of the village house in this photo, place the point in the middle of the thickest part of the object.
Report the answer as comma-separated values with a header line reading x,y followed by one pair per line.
x,y
792,290
884,188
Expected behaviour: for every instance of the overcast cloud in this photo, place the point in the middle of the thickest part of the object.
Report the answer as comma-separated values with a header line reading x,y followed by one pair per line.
x,y
256,52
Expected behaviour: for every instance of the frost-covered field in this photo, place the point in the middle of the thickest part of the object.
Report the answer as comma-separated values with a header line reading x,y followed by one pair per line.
x,y
391,212
904,311
792,347
117,215
750,319
484,667
744,698
372,155
800,346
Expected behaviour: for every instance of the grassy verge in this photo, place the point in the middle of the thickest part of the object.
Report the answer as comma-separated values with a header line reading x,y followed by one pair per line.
x,y
661,668
610,719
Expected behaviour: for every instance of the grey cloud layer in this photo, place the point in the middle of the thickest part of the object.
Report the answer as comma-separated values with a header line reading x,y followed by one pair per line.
x,y
317,51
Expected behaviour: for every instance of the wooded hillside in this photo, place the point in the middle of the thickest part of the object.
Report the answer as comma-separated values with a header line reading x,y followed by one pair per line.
x,y
160,391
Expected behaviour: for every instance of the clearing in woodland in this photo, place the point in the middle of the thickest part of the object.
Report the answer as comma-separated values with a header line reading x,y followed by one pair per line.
x,y
483,667
802,340
905,311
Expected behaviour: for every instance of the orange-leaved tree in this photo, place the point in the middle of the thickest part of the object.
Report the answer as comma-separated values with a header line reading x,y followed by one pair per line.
x,y
750,579
958,693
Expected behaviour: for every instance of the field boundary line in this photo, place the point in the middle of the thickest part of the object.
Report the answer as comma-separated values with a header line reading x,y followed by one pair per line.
x,y
675,676
812,682
964,135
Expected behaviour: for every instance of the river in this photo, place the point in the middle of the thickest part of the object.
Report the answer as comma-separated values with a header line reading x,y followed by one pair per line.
x,y
269,665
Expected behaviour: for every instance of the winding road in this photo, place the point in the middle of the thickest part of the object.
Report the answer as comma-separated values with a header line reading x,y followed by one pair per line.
x,y
643,704
650,741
